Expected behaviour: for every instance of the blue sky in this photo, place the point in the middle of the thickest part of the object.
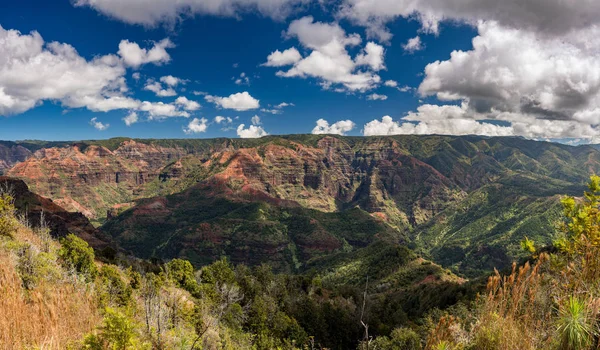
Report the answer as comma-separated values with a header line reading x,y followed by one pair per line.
x,y
211,48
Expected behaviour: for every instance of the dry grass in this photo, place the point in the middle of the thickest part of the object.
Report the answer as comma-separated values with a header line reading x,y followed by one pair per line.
x,y
53,314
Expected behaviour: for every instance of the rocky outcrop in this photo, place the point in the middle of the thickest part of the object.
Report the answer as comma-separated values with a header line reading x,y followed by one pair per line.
x,y
11,154
40,211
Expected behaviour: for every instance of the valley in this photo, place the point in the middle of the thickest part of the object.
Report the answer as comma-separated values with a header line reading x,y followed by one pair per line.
x,y
465,202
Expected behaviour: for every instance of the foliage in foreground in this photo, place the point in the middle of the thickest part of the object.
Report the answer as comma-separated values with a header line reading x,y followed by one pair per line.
x,y
551,303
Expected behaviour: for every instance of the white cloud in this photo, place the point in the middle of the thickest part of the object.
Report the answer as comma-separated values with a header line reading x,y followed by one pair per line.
x,y
251,132
220,119
154,12
376,97
98,125
196,126
284,104
413,45
32,71
391,83
330,61
285,58
134,56
441,127
517,76
372,56
199,93
338,128
172,81
256,120
242,101
188,105
131,119
547,17
242,80
136,76
160,110
157,88
277,109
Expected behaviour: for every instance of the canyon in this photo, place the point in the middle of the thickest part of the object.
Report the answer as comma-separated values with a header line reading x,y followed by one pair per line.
x,y
455,199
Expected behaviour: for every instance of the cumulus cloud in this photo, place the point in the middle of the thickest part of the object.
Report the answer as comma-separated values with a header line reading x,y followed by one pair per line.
x,y
220,119
98,125
153,12
252,132
196,126
413,45
329,60
548,17
242,101
134,56
391,83
131,119
32,71
160,110
282,59
338,128
372,56
387,126
157,88
377,97
172,81
517,76
186,104
256,120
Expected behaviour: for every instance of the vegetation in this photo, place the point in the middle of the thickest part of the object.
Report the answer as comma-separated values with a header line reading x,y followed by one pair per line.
x,y
552,302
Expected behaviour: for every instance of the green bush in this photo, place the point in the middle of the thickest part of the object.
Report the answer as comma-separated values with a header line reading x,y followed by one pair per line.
x,y
118,332
181,272
77,254
33,267
8,221
113,288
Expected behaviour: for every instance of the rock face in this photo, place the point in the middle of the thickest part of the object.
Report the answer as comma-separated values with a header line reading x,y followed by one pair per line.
x,y
59,221
280,196
90,178
11,154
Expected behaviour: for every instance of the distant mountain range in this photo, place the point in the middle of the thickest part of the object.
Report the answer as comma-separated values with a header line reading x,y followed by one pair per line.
x,y
464,202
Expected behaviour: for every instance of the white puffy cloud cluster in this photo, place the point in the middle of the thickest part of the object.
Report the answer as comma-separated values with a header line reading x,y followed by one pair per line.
x,y
551,17
135,56
153,12
337,128
157,88
377,97
98,125
241,101
131,118
33,71
225,120
329,60
196,126
253,131
413,45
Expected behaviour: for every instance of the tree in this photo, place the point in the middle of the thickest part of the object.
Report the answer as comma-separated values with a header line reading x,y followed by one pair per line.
x,y
77,254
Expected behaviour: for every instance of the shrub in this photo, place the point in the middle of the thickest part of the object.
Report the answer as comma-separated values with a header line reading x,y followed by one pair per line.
x,y
113,288
8,221
77,254
34,266
181,272
118,332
